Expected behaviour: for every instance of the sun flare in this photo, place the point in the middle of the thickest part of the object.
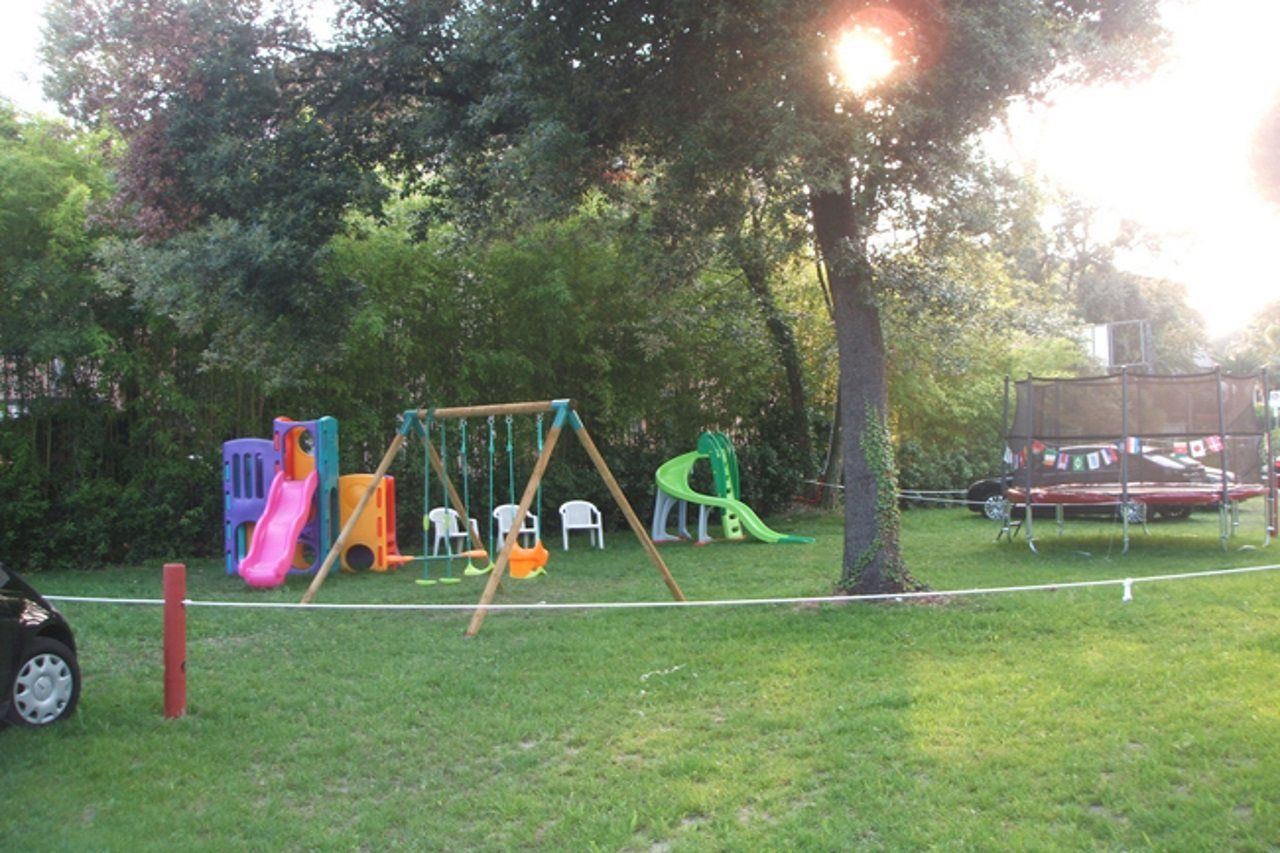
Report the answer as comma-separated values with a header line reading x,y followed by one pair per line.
x,y
864,57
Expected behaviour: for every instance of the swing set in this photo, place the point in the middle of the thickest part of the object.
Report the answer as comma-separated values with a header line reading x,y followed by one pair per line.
x,y
520,560
526,562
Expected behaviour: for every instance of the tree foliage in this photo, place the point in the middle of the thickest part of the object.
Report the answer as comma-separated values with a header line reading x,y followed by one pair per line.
x,y
231,185
533,105
610,200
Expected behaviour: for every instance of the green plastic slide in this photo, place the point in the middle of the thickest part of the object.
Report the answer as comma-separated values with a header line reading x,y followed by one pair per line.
x,y
673,478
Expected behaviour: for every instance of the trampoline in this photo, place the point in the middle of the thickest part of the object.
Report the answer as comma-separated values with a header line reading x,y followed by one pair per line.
x,y
1137,444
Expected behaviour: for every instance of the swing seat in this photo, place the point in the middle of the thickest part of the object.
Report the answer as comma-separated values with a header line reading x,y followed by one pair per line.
x,y
528,562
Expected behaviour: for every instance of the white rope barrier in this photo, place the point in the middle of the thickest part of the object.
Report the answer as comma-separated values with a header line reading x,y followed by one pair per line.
x,y
1126,583
930,498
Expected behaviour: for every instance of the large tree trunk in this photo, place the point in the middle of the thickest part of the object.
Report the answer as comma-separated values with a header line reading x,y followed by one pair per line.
x,y
872,558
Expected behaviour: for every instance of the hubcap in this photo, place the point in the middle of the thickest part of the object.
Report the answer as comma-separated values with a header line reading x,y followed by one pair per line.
x,y
43,688
996,508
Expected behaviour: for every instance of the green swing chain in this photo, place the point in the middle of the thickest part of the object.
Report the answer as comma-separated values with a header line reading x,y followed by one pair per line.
x,y
466,490
511,469
539,514
444,501
493,436
511,465
426,502
464,463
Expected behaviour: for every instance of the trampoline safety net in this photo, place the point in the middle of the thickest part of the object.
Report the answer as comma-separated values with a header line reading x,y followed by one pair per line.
x,y
1140,428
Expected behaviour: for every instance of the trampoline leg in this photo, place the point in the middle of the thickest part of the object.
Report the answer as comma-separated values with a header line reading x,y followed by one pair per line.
x,y
1124,525
1268,514
1059,515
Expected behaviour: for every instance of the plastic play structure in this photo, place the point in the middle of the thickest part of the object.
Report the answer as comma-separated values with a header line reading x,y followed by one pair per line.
x,y
285,525
422,424
674,492
1089,442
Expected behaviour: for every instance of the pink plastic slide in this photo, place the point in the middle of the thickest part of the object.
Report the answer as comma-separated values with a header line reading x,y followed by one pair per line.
x,y
275,536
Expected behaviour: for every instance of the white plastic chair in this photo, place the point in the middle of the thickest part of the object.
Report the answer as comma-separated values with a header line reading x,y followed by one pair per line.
x,y
581,515
446,523
504,514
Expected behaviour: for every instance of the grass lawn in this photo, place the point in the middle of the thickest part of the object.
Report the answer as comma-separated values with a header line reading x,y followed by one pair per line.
x,y
1043,720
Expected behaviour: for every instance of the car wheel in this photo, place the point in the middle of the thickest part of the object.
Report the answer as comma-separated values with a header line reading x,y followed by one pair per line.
x,y
980,494
47,685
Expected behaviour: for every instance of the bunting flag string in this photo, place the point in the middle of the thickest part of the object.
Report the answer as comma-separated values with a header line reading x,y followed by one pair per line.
x,y
1109,454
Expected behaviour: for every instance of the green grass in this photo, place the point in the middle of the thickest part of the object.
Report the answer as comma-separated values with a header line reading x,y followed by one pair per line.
x,y
1044,720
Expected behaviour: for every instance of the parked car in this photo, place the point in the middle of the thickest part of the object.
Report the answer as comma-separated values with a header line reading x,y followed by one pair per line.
x,y
39,676
987,496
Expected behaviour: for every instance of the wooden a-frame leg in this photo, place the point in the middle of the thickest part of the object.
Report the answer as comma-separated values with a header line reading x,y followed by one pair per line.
x,y
623,504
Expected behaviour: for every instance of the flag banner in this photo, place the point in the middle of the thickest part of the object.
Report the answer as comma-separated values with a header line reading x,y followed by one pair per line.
x,y
1197,449
1180,448
1109,456
1037,446
1095,461
1133,444
1008,455
1077,463
1064,461
1214,443
1050,457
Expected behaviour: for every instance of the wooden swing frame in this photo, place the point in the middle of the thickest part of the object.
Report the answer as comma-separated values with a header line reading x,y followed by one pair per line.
x,y
563,410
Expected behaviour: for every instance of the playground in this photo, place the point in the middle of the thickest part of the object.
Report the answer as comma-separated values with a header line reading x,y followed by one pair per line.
x,y
515,426
290,527
1067,718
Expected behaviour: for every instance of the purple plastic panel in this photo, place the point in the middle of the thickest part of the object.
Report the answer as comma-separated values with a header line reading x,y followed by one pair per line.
x,y
247,467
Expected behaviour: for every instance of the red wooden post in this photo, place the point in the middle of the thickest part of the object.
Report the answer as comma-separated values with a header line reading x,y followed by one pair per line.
x,y
175,640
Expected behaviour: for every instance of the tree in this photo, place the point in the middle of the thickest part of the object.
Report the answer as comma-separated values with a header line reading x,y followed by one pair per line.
x,y
1073,265
229,188
532,105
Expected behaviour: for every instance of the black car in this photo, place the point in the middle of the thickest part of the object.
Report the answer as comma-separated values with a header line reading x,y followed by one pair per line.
x,y
39,677
987,496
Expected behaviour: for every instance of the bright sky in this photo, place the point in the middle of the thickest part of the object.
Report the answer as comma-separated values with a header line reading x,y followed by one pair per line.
x,y
1172,152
